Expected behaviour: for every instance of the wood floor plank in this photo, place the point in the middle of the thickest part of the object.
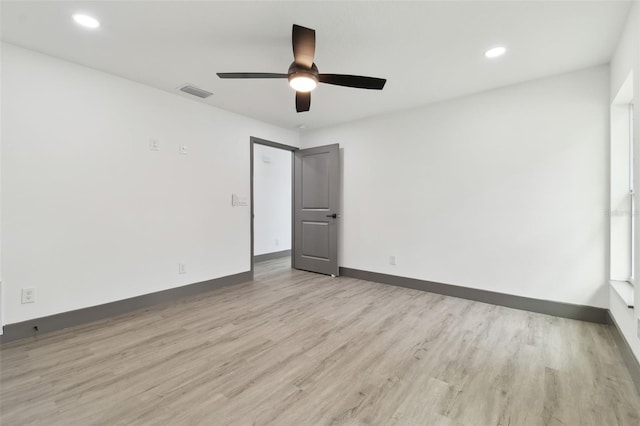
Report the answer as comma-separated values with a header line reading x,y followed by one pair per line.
x,y
296,348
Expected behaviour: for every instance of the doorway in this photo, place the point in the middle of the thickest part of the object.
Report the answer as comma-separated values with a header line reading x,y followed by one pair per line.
x,y
271,201
306,203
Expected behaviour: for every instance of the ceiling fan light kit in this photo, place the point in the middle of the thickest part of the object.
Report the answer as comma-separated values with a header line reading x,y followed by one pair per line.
x,y
302,79
303,73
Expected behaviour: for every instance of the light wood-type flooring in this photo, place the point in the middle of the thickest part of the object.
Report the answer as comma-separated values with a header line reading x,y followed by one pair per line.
x,y
296,348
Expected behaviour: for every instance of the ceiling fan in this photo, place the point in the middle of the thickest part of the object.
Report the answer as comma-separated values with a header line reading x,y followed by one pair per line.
x,y
303,73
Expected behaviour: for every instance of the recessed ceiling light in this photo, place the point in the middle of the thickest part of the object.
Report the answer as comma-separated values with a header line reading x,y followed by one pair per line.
x,y
495,52
86,20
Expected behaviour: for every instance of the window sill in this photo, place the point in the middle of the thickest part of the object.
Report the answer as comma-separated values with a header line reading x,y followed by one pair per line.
x,y
624,289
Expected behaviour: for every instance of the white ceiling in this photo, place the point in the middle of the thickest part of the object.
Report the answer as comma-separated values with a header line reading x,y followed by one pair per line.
x,y
427,50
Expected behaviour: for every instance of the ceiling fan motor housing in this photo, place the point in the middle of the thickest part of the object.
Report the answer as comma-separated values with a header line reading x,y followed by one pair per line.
x,y
296,71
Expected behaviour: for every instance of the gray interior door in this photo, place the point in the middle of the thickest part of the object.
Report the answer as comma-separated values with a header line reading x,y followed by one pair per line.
x,y
316,205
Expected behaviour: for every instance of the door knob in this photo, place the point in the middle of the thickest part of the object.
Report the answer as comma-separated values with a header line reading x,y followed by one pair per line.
x,y
335,215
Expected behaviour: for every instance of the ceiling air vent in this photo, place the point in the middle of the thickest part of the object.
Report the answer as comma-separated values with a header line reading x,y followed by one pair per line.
x,y
195,91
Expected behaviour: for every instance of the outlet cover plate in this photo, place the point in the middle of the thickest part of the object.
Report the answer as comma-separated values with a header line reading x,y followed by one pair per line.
x,y
28,295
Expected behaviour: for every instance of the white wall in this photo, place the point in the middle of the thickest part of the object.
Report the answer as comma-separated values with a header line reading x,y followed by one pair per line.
x,y
271,199
626,60
89,214
504,190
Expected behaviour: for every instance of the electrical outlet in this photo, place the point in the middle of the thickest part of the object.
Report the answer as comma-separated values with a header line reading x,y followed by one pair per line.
x,y
392,260
182,268
154,145
28,295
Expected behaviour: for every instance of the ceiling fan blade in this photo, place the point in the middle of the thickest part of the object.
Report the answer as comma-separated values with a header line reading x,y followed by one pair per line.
x,y
304,45
251,75
303,101
357,81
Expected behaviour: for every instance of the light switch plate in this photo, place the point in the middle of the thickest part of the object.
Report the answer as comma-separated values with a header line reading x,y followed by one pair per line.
x,y
237,200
